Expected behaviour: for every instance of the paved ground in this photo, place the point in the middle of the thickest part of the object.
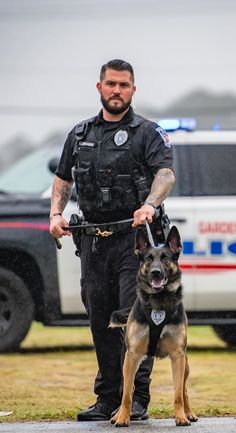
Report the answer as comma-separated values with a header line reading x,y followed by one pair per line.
x,y
204,425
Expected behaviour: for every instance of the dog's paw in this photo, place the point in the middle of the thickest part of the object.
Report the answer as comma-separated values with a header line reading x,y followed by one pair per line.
x,y
114,415
121,418
192,417
182,421
122,424
121,421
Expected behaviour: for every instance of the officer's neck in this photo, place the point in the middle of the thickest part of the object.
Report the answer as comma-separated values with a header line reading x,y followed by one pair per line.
x,y
113,117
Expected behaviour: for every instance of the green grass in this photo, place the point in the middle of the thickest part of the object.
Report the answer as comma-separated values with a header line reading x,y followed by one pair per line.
x,y
51,378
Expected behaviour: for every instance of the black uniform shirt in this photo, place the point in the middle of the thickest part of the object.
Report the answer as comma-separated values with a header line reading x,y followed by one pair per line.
x,y
152,145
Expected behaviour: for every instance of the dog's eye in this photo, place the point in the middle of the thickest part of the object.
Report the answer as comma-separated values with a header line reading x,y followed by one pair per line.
x,y
164,258
149,259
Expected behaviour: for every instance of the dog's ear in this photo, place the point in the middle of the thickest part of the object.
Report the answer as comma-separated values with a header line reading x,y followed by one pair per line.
x,y
141,242
173,241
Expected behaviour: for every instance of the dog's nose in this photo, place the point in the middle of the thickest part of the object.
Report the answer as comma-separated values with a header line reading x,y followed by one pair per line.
x,y
155,273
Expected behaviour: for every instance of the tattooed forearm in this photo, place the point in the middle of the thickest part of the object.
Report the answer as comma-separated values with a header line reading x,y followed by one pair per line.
x,y
161,186
61,192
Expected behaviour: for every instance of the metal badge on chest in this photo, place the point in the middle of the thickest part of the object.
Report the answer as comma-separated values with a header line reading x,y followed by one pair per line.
x,y
158,316
120,137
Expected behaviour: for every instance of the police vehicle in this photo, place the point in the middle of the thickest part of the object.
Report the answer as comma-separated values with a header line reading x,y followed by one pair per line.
x,y
40,282
203,206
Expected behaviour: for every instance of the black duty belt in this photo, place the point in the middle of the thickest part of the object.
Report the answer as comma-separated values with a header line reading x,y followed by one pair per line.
x,y
105,229
102,229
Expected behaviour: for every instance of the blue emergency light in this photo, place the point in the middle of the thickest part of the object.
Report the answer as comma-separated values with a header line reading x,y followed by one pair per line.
x,y
185,124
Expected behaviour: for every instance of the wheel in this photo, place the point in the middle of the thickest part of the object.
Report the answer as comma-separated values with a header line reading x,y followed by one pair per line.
x,y
16,310
227,333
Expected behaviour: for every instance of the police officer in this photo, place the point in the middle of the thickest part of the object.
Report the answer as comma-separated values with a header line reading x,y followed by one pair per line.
x,y
121,164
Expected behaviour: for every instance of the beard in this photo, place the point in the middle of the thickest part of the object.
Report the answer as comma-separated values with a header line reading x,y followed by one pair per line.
x,y
115,109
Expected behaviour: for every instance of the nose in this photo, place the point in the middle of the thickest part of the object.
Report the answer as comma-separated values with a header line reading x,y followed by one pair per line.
x,y
116,89
156,272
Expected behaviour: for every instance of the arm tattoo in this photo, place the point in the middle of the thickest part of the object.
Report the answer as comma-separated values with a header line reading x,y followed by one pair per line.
x,y
161,186
61,192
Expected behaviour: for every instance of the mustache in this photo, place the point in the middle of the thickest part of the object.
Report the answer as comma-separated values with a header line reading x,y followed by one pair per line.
x,y
116,98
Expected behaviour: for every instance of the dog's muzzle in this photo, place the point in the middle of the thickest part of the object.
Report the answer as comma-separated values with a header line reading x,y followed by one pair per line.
x,y
157,280
158,283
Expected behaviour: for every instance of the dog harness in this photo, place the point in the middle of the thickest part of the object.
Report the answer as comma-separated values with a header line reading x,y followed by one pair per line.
x,y
157,319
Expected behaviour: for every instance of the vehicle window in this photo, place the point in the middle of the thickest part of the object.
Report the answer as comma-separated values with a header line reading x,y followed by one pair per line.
x,y
183,179
31,173
204,170
214,169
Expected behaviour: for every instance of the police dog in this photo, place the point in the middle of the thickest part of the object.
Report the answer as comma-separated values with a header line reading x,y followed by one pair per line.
x,y
156,324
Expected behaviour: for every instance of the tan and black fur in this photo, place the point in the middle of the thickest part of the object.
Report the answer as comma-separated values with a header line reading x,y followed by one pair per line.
x,y
159,289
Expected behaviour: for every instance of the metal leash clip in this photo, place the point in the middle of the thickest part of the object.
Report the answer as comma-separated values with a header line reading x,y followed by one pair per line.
x,y
105,233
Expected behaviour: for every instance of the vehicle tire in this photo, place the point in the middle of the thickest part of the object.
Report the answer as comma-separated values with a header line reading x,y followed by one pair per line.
x,y
16,310
227,333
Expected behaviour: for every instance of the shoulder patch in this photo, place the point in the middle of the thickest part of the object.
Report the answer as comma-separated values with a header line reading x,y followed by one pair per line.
x,y
164,136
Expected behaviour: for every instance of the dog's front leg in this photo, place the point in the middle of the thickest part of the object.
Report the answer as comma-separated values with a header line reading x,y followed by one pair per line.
x,y
131,365
178,361
187,408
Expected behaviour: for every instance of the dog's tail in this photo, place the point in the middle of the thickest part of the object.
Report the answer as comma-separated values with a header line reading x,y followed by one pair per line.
x,y
119,318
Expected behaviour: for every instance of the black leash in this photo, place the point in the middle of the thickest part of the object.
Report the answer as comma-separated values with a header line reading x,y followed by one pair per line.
x,y
87,225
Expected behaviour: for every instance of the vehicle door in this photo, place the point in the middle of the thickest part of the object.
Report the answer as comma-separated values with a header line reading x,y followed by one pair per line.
x,y
69,270
180,208
214,241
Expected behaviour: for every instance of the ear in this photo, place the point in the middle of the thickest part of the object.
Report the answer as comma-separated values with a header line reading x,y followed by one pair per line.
x,y
173,241
141,242
98,85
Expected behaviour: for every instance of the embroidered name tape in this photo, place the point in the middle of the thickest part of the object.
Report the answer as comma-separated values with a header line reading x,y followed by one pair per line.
x,y
86,144
158,316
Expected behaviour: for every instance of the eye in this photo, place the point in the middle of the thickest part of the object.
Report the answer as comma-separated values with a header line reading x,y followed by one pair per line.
x,y
124,85
149,259
110,83
165,258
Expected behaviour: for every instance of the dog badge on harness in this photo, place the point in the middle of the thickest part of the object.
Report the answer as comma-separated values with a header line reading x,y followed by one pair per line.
x,y
120,137
158,316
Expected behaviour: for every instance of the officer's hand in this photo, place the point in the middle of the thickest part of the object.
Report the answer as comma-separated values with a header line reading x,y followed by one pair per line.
x,y
56,224
142,214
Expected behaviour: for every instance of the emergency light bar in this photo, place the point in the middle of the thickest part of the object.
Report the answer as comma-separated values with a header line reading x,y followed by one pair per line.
x,y
185,124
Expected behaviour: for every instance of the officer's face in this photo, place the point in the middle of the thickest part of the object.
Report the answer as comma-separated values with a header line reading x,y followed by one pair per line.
x,y
116,90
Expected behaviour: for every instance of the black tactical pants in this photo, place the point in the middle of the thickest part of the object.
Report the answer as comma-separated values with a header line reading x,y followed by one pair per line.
x,y
108,283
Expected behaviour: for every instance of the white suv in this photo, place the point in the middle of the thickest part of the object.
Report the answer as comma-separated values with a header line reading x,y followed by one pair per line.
x,y
203,205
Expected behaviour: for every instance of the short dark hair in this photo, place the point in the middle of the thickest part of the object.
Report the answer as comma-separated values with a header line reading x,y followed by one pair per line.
x,y
117,65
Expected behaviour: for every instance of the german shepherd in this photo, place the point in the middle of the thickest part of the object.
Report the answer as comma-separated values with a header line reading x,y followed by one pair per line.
x,y
156,324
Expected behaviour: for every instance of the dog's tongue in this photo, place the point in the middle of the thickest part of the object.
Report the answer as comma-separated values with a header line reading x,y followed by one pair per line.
x,y
158,282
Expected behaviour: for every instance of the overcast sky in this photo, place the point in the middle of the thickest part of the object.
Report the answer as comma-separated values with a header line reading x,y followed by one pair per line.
x,y
51,52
